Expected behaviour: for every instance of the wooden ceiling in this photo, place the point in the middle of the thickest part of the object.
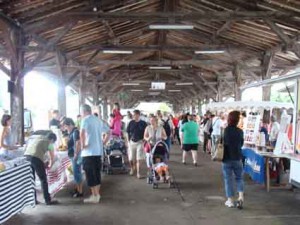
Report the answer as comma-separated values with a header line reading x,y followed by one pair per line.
x,y
260,38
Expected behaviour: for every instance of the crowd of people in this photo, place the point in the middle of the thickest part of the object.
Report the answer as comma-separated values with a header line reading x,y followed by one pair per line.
x,y
89,134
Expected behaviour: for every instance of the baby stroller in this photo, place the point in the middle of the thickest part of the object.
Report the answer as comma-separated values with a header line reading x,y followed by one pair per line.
x,y
114,156
159,151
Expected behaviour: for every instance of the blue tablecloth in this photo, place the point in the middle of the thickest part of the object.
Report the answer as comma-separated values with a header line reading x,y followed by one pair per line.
x,y
254,165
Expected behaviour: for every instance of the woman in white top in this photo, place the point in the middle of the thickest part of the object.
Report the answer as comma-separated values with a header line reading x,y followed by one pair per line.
x,y
152,135
6,138
154,132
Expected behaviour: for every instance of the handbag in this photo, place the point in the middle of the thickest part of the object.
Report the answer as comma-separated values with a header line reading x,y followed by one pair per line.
x,y
147,147
218,155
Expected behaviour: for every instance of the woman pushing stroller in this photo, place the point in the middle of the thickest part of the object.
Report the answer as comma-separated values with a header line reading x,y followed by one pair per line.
x,y
155,136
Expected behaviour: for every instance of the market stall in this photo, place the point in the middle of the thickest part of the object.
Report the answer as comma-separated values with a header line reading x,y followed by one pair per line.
x,y
259,156
16,185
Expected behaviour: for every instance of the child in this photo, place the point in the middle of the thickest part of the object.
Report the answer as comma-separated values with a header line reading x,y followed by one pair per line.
x,y
161,168
116,121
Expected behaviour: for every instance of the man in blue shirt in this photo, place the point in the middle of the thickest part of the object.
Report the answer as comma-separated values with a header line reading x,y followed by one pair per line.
x,y
91,134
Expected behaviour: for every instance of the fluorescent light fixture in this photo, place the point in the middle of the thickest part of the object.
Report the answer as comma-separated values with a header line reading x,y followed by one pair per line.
x,y
174,90
117,52
160,67
158,85
183,84
136,90
131,84
210,52
171,27
154,93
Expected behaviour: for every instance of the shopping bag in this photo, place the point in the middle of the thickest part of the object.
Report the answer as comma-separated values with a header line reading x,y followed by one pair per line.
x,y
218,154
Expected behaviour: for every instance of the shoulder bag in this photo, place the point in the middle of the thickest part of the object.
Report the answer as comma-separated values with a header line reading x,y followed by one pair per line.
x,y
218,155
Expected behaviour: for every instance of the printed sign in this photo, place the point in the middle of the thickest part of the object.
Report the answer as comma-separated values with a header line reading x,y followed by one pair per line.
x,y
254,165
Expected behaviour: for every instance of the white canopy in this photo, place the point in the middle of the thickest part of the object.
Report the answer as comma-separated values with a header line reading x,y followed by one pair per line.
x,y
244,105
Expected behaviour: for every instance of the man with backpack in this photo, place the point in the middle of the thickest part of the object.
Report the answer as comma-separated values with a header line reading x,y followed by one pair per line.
x,y
168,125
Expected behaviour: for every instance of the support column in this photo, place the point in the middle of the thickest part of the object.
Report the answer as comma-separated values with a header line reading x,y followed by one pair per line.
x,y
267,63
105,109
61,83
95,93
199,107
219,89
16,39
82,93
238,83
266,93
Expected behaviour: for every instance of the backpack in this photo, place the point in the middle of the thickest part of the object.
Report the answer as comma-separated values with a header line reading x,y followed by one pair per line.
x,y
167,127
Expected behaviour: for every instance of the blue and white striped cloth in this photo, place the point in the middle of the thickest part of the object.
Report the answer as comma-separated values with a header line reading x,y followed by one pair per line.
x,y
16,191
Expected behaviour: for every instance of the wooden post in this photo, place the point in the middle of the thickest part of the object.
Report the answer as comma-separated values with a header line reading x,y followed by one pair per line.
x,y
17,82
95,93
105,109
219,89
61,83
267,63
238,83
199,107
82,94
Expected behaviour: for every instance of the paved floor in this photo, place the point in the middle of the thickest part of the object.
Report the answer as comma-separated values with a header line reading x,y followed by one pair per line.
x,y
198,199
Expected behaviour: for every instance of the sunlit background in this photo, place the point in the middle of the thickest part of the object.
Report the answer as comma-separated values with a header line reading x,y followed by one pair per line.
x,y
41,97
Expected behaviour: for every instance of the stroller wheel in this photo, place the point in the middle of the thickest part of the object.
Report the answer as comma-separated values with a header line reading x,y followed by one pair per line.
x,y
154,185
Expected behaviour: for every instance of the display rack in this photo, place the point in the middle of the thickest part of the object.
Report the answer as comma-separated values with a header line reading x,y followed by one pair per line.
x,y
251,129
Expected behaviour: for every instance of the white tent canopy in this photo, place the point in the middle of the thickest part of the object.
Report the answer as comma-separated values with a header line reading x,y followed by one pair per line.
x,y
248,105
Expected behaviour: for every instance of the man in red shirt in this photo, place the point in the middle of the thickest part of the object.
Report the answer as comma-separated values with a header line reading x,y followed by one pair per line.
x,y
175,121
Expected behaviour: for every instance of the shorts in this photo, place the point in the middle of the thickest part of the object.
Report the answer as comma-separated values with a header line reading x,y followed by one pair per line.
x,y
189,147
92,168
162,169
136,151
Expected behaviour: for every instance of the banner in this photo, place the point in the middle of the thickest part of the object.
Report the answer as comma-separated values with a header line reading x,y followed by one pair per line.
x,y
254,165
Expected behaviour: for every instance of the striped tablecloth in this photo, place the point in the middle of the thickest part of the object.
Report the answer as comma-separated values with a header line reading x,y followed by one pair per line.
x,y
57,177
16,191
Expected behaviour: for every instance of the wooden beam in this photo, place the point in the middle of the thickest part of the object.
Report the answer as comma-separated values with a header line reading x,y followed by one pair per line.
x,y
72,77
267,64
175,16
154,62
5,69
49,44
284,37
134,48
222,29
206,83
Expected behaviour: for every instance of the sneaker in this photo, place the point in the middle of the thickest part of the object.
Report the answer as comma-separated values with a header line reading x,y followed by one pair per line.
x,y
184,163
195,164
98,198
239,204
131,173
52,202
77,195
229,204
139,176
91,199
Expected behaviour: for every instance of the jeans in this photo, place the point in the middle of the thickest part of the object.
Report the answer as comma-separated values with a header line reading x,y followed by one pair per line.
x,y
76,170
230,168
205,142
215,139
168,142
176,135
38,167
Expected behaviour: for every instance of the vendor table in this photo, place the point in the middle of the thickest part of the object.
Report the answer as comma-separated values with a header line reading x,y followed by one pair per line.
x,y
57,176
257,164
16,190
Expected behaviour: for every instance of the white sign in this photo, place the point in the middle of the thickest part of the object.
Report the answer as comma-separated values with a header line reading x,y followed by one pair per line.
x,y
158,85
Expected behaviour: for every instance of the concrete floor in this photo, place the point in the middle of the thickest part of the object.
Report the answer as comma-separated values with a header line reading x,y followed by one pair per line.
x,y
198,199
